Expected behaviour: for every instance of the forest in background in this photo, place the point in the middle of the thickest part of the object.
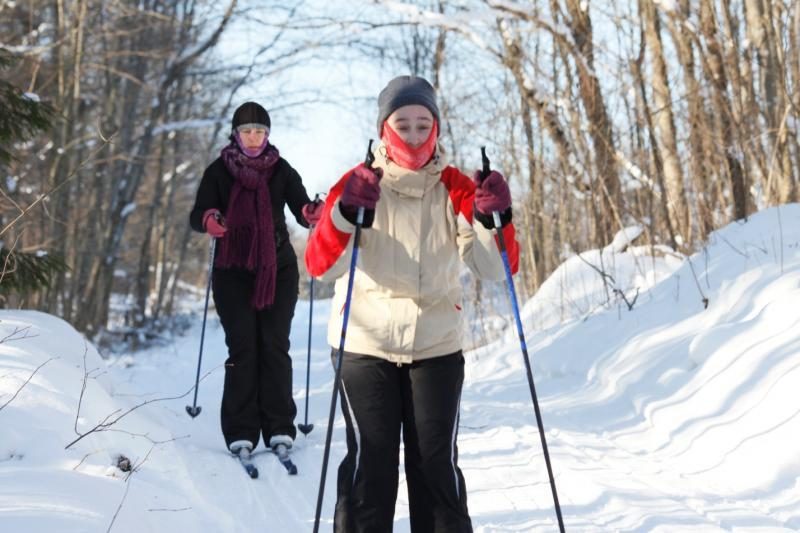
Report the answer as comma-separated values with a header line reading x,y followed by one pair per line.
x,y
675,116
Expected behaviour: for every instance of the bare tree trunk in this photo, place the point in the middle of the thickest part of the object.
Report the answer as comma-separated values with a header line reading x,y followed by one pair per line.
x,y
172,282
646,197
535,229
135,168
439,51
794,82
700,167
722,104
658,166
70,55
780,186
148,226
665,125
606,190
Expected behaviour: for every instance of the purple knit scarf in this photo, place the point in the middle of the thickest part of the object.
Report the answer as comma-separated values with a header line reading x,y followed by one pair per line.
x,y
250,240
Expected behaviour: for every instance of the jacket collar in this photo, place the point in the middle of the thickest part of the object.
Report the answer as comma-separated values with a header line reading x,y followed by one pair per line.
x,y
414,183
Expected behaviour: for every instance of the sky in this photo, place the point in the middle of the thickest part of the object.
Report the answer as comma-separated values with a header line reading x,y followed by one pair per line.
x,y
670,416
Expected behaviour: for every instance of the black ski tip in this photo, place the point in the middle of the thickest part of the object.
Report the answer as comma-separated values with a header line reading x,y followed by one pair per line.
x,y
290,467
252,471
193,411
282,452
305,429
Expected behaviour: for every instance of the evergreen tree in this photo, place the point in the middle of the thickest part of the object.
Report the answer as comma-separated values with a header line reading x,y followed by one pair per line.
x,y
21,117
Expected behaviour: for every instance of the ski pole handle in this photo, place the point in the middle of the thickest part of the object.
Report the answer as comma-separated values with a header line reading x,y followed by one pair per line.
x,y
486,166
368,160
370,157
486,170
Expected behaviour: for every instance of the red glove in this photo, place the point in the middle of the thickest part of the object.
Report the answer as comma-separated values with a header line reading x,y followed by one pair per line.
x,y
362,188
312,212
492,194
213,223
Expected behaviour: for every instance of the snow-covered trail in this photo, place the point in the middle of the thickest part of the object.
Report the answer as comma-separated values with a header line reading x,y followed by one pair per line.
x,y
616,469
232,501
669,417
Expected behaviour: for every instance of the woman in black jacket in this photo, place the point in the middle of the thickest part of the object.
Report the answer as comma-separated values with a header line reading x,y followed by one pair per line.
x,y
240,202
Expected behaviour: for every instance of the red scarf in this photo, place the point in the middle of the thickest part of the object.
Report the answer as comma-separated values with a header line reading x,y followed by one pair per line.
x,y
403,154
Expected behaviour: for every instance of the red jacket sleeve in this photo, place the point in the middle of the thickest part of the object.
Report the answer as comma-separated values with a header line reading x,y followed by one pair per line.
x,y
462,195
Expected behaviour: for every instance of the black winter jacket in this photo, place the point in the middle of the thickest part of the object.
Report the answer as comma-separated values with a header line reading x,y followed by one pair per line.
x,y
285,188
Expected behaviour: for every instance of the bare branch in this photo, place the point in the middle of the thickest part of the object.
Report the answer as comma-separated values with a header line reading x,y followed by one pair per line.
x,y
111,419
54,188
177,67
12,336
137,466
26,382
119,507
597,269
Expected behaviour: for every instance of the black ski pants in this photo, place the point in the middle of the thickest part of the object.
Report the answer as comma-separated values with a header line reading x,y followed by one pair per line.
x,y
257,396
380,400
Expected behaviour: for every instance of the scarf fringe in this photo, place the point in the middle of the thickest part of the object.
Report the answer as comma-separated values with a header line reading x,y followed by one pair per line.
x,y
236,249
238,244
264,294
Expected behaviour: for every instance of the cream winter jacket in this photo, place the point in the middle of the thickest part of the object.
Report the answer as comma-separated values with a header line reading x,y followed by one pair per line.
x,y
406,301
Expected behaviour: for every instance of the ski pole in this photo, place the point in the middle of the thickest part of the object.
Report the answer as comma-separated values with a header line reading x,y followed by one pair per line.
x,y
195,409
513,295
369,159
306,428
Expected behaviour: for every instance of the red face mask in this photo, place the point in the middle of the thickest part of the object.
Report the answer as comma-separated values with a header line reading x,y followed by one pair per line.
x,y
403,154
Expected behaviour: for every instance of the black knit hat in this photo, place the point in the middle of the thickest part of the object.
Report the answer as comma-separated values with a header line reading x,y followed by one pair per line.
x,y
406,90
250,113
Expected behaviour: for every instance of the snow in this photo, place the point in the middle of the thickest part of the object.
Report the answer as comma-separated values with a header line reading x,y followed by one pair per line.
x,y
671,416
183,125
128,209
668,6
596,279
637,173
624,238
456,22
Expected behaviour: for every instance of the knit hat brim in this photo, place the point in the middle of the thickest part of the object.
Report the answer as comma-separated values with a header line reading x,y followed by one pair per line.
x,y
403,91
250,113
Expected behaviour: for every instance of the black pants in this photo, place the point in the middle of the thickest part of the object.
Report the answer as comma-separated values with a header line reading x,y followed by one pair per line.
x,y
378,400
257,398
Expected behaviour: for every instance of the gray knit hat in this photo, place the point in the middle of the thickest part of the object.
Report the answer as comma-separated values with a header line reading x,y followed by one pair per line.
x,y
406,90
